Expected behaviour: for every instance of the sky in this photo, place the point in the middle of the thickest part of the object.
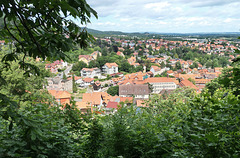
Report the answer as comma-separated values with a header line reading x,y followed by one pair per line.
x,y
166,16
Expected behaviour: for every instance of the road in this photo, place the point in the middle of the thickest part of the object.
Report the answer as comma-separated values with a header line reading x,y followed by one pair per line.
x,y
68,69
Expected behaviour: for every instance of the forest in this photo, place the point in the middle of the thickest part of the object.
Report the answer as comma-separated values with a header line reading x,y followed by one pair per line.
x,y
180,124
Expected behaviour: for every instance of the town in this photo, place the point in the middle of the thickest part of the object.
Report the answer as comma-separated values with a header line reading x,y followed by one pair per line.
x,y
118,70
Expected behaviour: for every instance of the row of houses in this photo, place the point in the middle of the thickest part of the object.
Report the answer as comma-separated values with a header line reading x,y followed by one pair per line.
x,y
108,68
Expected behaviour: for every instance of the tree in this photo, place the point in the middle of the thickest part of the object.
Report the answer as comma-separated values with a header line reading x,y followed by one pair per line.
x,y
125,66
192,80
74,86
178,65
114,90
43,29
64,76
162,65
77,67
176,56
38,29
105,51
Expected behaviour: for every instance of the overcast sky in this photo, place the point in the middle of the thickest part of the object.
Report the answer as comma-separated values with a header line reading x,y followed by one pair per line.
x,y
168,16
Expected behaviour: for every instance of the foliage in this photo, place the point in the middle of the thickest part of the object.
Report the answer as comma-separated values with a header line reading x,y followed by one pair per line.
x,y
43,29
113,90
178,65
77,67
192,80
74,85
64,76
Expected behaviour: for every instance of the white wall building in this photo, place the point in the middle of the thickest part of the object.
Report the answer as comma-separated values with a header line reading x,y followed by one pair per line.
x,y
91,73
160,83
110,68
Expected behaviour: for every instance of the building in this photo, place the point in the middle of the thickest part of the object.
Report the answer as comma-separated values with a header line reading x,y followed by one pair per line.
x,y
156,70
160,83
139,91
87,82
187,83
96,99
62,97
85,58
95,54
96,86
91,72
110,68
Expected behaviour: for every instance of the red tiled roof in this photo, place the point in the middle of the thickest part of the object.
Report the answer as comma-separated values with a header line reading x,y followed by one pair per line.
x,y
111,65
113,105
88,79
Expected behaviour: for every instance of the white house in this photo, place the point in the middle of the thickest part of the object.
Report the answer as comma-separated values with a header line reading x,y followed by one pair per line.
x,y
110,68
156,70
91,72
160,83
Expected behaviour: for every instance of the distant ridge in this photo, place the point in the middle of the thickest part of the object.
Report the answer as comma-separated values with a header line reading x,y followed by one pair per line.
x,y
199,34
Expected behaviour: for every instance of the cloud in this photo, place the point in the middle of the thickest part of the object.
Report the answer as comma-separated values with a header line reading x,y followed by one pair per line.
x,y
166,15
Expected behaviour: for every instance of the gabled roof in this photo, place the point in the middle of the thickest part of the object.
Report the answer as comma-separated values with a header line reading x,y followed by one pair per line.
x,y
87,57
95,97
88,79
75,77
156,68
97,83
83,105
113,105
90,69
126,99
60,94
141,103
109,65
131,89
187,83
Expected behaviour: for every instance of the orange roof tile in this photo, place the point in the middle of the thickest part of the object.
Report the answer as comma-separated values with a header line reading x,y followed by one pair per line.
x,y
141,103
82,105
88,79
187,83
126,99
60,94
111,65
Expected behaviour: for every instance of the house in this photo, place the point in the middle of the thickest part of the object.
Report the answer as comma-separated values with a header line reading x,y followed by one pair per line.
x,y
156,70
96,99
85,58
170,73
66,85
139,91
54,83
59,84
87,82
142,103
62,97
120,54
110,68
91,72
77,79
96,86
83,106
95,54
132,61
112,107
187,83
161,83
218,69
51,67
